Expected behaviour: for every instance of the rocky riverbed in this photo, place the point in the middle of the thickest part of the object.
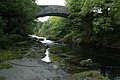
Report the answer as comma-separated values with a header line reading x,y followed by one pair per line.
x,y
33,69
31,65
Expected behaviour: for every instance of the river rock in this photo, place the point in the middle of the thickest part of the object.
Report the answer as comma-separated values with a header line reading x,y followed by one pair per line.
x,y
87,62
88,75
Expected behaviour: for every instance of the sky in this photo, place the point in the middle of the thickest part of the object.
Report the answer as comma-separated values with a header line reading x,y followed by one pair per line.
x,y
49,2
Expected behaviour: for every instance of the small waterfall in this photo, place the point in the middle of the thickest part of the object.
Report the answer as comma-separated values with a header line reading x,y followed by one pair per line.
x,y
49,42
44,41
46,58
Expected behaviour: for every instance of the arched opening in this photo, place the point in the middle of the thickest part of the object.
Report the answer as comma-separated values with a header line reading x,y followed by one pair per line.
x,y
53,10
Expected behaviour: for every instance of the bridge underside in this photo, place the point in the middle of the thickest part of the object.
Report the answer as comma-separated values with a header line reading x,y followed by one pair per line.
x,y
53,10
53,14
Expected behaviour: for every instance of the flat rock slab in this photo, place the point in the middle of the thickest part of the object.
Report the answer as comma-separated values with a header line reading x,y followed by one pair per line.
x,y
33,69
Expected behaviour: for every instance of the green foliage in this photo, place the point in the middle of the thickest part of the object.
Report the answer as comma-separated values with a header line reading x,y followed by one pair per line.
x,y
17,13
5,66
32,54
102,24
9,54
55,57
96,18
68,37
2,78
55,27
2,26
7,40
28,28
14,18
88,75
92,21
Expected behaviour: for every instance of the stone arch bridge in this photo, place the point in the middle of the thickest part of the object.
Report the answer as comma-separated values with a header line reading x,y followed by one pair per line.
x,y
53,10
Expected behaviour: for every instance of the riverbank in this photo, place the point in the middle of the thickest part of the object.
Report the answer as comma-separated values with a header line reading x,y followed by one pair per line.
x,y
29,66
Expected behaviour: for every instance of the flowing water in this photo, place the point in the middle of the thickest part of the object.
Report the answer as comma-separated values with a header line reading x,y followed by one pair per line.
x,y
67,59
106,60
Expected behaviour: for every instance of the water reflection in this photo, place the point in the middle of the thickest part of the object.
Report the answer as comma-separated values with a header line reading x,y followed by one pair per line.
x,y
108,59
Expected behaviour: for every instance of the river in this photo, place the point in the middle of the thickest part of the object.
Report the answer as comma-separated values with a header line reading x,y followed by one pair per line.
x,y
105,60
62,60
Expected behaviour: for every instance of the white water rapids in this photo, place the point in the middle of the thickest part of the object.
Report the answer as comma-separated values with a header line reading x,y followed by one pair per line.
x,y
46,58
47,42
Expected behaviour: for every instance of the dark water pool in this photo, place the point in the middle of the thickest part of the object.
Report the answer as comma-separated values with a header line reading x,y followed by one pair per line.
x,y
107,59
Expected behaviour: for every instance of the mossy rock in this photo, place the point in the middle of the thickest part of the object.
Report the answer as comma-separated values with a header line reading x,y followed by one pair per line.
x,y
42,50
55,57
32,54
5,66
88,75
55,49
9,55
2,78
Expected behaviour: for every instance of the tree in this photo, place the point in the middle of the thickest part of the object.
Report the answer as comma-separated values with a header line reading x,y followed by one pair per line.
x,y
17,13
55,27
92,22
95,18
16,17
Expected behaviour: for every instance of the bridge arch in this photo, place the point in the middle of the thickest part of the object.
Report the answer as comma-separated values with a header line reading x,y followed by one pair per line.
x,y
53,10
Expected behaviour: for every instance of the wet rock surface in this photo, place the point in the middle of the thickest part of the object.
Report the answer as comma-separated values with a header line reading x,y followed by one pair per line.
x,y
33,69
63,60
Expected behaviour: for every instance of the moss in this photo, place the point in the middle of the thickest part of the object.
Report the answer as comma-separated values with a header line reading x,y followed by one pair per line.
x,y
56,49
24,44
5,66
32,54
88,75
42,50
55,57
2,78
9,55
